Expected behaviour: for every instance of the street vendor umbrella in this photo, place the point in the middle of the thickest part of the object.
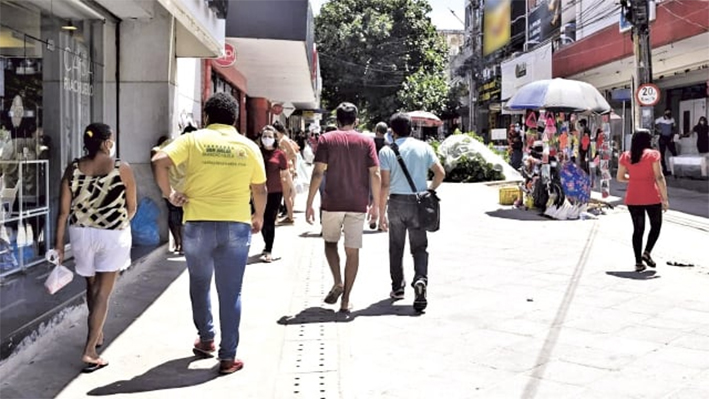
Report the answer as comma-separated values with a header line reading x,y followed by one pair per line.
x,y
424,118
559,95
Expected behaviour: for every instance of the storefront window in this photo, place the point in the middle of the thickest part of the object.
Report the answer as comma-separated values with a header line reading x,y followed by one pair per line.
x,y
221,85
51,87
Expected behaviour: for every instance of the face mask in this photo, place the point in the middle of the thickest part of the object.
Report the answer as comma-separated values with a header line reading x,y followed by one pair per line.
x,y
268,141
112,151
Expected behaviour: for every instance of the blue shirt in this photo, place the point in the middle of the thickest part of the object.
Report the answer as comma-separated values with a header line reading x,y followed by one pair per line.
x,y
418,157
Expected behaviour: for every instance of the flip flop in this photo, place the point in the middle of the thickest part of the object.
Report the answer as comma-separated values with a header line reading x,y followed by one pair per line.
x,y
91,367
266,258
334,294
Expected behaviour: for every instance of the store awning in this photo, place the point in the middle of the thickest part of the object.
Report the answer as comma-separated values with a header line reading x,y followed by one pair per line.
x,y
199,31
276,50
277,70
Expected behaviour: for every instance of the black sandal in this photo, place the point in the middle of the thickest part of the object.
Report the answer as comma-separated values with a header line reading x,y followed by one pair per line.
x,y
648,260
640,267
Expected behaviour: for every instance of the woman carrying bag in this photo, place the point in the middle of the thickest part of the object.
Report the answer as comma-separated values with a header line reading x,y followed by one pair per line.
x,y
98,198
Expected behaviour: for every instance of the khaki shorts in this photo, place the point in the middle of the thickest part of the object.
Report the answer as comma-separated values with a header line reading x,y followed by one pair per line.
x,y
353,223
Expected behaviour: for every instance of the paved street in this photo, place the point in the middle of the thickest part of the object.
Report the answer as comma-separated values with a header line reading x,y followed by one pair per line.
x,y
519,307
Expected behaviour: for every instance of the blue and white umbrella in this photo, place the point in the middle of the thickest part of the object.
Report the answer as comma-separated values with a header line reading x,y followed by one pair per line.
x,y
559,95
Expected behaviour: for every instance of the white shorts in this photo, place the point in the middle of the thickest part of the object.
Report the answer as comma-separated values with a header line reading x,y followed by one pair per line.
x,y
100,250
333,224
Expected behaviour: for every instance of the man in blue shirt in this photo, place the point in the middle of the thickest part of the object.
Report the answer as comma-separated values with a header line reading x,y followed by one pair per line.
x,y
419,157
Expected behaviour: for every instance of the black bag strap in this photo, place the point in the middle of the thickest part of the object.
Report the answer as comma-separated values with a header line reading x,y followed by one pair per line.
x,y
395,148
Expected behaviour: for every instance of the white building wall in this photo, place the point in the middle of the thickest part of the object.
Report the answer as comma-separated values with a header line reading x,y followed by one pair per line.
x,y
188,102
594,15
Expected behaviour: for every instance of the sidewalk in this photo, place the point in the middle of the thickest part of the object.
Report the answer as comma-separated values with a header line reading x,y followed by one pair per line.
x,y
519,307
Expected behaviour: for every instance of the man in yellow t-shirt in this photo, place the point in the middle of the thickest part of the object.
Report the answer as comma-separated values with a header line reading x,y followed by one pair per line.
x,y
223,169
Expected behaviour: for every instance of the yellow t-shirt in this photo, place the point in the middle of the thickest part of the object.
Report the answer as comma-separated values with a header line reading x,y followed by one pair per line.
x,y
220,166
176,174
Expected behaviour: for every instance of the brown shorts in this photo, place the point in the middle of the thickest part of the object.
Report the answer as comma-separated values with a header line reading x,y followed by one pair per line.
x,y
352,223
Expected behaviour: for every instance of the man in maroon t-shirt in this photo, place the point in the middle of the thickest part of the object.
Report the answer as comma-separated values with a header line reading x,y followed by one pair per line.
x,y
352,165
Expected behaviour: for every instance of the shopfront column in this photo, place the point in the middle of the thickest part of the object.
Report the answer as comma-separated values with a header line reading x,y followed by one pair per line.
x,y
147,92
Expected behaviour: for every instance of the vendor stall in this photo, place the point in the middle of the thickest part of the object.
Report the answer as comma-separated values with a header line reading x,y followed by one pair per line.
x,y
562,152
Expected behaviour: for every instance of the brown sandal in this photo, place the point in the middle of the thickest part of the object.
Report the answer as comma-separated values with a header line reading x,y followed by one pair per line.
x,y
334,294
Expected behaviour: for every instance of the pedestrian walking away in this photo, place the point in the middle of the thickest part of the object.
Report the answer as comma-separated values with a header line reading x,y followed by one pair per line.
x,y
402,214
177,176
224,169
290,148
352,168
665,125
646,193
98,197
276,177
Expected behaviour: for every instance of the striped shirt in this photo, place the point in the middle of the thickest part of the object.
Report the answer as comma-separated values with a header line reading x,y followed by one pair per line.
x,y
98,201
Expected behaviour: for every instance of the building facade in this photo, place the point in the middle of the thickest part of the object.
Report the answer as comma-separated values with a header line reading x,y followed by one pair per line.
x,y
65,64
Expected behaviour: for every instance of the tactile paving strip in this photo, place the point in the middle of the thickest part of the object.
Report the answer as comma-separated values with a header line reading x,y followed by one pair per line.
x,y
310,356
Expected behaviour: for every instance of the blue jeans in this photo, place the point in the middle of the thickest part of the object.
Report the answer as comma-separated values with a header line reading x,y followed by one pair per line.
x,y
221,248
401,213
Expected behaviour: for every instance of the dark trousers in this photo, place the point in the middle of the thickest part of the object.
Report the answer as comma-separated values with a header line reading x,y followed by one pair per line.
x,y
269,219
637,213
666,143
402,211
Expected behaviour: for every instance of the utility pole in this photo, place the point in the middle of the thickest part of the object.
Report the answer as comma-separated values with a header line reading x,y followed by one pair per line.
x,y
637,12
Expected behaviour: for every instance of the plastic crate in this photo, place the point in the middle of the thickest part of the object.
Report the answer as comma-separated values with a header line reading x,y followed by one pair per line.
x,y
508,195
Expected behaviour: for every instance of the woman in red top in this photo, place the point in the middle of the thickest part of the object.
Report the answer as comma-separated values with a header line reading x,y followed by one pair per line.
x,y
647,193
276,176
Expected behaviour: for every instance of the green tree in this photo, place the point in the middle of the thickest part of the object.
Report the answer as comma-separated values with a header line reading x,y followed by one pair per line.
x,y
383,55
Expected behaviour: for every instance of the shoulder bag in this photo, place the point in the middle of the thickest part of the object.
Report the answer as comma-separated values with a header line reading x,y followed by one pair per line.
x,y
428,203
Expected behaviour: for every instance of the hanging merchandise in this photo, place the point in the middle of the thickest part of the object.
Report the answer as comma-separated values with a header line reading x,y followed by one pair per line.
x,y
550,124
531,120
576,183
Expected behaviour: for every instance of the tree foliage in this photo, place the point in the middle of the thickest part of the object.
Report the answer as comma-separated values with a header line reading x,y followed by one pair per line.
x,y
383,55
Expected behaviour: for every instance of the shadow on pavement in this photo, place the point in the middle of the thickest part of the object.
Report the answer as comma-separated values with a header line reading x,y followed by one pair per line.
x,y
310,235
137,289
317,314
172,374
647,275
517,214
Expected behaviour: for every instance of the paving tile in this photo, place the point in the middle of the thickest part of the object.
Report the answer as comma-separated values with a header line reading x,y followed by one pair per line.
x,y
651,334
523,386
693,341
568,373
627,385
689,393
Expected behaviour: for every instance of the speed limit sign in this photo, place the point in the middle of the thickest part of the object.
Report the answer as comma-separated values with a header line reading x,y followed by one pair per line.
x,y
648,94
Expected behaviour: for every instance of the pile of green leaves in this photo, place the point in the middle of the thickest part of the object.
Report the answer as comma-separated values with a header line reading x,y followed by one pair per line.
x,y
470,169
474,169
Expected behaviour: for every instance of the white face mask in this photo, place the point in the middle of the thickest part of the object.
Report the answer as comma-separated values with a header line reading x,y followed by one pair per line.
x,y
112,151
268,141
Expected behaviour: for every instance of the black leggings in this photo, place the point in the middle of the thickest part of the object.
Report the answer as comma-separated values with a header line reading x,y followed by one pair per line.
x,y
269,219
637,213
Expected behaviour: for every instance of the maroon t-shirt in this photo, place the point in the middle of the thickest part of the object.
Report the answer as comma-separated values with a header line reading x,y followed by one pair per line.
x,y
275,162
348,155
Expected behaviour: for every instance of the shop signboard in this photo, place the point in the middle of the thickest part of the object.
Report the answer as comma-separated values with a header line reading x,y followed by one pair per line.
x,y
229,57
528,67
497,25
490,91
544,21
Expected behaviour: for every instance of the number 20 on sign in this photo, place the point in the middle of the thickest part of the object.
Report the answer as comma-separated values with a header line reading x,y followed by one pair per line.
x,y
648,94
